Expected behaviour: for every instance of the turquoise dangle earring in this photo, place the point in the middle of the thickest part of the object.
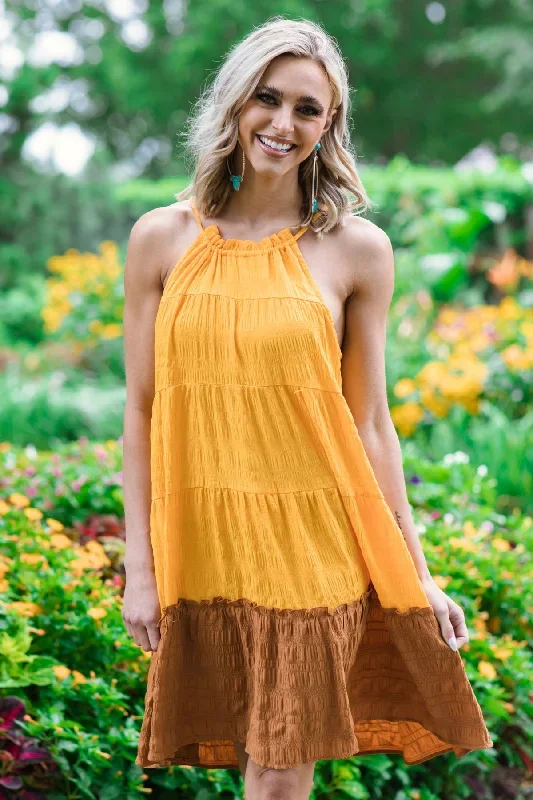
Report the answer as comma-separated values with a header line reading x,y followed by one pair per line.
x,y
315,177
236,179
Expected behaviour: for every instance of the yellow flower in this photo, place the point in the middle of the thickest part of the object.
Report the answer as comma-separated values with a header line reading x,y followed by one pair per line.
x,y
516,358
19,500
60,541
33,514
508,706
510,309
104,755
95,326
463,544
54,524
406,417
112,331
61,671
4,507
97,613
4,585
78,677
95,547
438,406
404,388
442,581
486,669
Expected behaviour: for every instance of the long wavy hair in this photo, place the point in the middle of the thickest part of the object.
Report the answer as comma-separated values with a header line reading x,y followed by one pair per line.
x,y
211,131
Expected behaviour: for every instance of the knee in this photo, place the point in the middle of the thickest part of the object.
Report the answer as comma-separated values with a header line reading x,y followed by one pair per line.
x,y
276,784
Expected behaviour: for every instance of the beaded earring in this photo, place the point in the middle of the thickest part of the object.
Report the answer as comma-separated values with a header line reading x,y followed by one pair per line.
x,y
315,177
236,179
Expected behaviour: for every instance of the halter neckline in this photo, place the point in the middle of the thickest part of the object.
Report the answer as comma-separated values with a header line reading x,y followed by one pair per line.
x,y
275,240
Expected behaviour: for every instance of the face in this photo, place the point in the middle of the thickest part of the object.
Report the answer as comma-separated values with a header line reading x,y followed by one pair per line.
x,y
290,106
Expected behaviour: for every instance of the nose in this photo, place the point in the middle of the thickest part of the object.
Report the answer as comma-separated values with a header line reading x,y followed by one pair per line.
x,y
282,120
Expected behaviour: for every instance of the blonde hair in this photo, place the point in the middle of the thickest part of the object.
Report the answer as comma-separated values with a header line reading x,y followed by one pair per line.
x,y
211,133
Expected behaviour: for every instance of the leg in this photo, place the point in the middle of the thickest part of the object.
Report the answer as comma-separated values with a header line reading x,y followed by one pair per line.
x,y
263,783
242,755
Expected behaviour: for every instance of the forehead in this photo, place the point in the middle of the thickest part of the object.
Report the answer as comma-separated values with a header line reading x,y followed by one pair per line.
x,y
295,76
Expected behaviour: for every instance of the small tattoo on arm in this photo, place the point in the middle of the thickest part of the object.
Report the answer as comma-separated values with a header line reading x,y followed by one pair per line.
x,y
396,514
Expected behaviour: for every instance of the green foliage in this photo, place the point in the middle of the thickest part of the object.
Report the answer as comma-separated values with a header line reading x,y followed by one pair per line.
x,y
427,90
60,406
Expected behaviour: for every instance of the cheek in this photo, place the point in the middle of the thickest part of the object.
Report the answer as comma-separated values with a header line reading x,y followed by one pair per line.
x,y
251,119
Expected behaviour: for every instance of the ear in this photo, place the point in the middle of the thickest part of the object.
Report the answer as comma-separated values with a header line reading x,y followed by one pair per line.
x,y
329,120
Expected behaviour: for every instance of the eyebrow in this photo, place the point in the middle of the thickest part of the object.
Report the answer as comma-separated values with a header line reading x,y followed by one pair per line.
x,y
304,98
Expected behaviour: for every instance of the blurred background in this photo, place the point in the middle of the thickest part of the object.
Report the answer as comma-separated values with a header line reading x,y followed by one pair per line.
x,y
93,97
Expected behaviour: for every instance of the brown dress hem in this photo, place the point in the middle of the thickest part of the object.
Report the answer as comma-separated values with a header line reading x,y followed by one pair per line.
x,y
304,685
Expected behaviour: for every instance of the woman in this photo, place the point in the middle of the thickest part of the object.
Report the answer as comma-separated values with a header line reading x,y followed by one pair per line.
x,y
273,567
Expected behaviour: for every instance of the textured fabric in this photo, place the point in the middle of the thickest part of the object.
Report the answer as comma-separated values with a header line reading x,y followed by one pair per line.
x,y
293,618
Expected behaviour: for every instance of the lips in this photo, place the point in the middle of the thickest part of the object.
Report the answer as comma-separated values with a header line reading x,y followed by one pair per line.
x,y
272,151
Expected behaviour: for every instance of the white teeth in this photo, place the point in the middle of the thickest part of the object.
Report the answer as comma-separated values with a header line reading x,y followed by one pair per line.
x,y
275,145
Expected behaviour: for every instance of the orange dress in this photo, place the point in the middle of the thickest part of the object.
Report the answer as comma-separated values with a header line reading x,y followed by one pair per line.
x,y
293,618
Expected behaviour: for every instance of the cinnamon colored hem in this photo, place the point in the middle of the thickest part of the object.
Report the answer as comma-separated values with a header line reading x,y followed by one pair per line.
x,y
304,685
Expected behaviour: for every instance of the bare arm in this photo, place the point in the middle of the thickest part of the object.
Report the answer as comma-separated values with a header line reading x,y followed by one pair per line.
x,y
364,387
142,293
364,382
143,289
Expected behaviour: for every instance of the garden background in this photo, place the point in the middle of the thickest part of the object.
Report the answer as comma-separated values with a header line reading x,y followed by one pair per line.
x,y
93,96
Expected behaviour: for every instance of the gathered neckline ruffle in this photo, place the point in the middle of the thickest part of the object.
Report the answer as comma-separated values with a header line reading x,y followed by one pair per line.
x,y
215,239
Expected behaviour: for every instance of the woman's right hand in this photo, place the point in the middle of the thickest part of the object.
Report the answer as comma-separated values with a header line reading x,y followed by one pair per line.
x,y
141,610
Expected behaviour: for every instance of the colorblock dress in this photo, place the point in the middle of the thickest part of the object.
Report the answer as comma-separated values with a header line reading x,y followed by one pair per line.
x,y
293,618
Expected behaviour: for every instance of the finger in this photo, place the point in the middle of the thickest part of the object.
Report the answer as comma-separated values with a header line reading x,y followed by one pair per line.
x,y
141,636
457,619
446,628
128,628
154,636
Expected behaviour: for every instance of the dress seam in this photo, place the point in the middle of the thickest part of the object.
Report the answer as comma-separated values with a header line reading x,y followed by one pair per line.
x,y
246,491
316,301
249,386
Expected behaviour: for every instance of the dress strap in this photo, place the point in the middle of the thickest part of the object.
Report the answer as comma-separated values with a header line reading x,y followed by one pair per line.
x,y
197,214
305,227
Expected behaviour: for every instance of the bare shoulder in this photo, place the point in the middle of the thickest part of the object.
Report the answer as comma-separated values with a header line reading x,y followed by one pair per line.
x,y
365,250
154,239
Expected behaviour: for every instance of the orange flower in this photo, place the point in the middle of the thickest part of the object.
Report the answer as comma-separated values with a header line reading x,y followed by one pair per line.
x,y
54,524
97,613
61,671
26,609
501,544
486,669
505,274
60,541
19,500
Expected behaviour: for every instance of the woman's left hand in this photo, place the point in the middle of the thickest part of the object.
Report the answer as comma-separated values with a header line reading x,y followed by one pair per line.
x,y
450,616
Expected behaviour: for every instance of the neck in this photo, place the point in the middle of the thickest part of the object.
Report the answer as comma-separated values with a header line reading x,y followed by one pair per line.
x,y
264,202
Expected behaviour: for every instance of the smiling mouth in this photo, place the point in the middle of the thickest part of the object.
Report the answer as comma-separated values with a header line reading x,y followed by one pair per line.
x,y
267,147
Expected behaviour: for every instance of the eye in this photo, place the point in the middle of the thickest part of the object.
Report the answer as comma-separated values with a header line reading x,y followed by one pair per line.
x,y
264,97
